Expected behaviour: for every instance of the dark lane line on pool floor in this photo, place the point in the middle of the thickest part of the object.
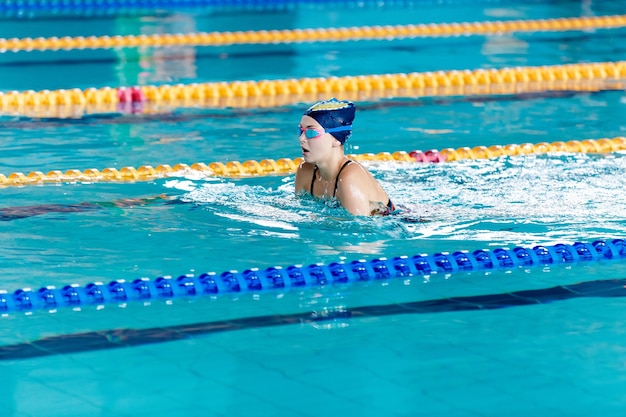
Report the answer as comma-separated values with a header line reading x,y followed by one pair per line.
x,y
120,338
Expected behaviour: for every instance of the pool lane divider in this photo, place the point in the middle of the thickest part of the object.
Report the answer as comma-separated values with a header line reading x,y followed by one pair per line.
x,y
30,9
121,337
298,277
285,166
599,76
287,36
88,8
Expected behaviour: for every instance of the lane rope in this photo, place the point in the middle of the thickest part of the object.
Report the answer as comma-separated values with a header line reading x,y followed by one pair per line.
x,y
32,8
285,166
299,277
273,93
286,36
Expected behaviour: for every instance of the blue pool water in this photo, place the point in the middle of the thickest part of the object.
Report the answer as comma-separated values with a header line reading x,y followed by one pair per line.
x,y
540,340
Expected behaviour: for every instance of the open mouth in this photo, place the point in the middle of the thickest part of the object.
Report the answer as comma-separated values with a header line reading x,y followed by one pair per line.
x,y
305,151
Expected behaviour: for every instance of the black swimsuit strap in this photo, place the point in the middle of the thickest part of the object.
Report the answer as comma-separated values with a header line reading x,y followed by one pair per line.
x,y
313,178
337,178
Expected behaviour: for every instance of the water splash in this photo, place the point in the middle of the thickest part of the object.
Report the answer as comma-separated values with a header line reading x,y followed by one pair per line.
x,y
526,199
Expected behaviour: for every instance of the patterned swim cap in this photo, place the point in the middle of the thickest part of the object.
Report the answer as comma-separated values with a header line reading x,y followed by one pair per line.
x,y
334,113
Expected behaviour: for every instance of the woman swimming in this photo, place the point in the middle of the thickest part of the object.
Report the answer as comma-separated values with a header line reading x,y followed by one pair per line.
x,y
327,172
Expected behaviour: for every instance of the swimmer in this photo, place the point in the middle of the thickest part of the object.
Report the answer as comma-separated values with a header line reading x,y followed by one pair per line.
x,y
326,171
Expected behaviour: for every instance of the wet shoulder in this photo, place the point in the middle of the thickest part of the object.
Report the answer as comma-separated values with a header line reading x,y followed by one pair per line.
x,y
354,171
304,175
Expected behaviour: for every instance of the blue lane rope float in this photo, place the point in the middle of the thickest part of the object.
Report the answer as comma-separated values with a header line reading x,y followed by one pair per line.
x,y
122,337
300,277
111,6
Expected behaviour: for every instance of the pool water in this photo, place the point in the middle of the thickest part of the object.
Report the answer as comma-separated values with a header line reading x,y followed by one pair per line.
x,y
543,340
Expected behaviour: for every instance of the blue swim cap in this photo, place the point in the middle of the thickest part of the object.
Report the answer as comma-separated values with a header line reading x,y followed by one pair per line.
x,y
334,113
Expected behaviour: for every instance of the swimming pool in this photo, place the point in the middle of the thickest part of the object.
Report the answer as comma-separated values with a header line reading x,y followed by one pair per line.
x,y
542,339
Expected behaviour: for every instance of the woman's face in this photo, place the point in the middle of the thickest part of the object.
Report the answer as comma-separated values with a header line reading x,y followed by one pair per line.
x,y
315,143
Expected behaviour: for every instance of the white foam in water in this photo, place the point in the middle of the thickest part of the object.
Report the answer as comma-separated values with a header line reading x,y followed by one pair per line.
x,y
470,197
185,185
528,198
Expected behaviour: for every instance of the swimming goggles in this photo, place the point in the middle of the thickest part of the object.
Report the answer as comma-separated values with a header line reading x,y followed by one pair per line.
x,y
311,133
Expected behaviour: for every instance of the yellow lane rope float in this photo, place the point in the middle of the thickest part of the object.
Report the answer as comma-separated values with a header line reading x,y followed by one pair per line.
x,y
273,93
284,166
313,35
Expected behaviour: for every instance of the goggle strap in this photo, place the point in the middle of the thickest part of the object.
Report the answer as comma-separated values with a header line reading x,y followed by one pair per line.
x,y
339,129
318,133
